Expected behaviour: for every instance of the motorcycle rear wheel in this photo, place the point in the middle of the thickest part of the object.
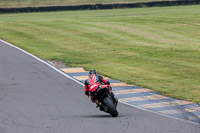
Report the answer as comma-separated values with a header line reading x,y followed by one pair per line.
x,y
111,108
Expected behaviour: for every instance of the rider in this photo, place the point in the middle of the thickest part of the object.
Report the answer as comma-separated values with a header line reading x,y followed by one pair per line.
x,y
92,84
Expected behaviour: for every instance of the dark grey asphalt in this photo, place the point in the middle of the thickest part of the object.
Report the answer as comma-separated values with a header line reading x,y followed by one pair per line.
x,y
34,98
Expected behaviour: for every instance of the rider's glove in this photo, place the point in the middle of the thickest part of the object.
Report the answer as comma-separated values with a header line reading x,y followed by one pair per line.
x,y
108,82
87,93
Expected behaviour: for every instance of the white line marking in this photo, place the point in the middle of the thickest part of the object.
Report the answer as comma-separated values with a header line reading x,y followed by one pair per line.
x,y
66,75
176,118
58,70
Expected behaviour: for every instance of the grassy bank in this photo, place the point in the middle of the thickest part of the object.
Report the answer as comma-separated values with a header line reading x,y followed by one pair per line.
x,y
157,48
39,3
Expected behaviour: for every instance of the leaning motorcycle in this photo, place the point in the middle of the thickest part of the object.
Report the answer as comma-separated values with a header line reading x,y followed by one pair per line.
x,y
107,100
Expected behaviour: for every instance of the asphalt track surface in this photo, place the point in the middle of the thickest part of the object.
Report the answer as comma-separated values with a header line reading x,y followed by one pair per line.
x,y
34,98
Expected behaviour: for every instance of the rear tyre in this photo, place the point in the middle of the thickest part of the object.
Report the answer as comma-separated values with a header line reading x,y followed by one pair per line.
x,y
111,108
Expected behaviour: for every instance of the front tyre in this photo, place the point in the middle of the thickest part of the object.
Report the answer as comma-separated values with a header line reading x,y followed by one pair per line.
x,y
111,108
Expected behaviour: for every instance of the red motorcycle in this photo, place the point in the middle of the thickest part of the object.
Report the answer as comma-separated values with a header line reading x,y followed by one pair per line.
x,y
108,100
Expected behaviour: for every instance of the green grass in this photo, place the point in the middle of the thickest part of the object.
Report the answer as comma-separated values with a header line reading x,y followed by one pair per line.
x,y
36,3
157,48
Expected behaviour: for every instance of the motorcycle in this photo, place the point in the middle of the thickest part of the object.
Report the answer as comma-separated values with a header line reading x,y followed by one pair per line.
x,y
108,101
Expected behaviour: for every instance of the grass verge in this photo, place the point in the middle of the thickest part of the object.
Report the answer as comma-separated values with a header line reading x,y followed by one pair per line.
x,y
157,48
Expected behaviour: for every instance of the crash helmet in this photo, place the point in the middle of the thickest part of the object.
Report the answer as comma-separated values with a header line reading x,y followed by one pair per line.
x,y
91,72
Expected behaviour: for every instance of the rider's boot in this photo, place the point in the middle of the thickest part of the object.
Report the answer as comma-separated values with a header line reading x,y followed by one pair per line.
x,y
99,104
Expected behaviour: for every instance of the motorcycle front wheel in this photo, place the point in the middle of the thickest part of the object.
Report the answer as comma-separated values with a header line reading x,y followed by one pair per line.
x,y
110,106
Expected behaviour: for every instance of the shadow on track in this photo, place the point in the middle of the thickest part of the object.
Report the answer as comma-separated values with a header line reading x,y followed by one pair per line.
x,y
98,116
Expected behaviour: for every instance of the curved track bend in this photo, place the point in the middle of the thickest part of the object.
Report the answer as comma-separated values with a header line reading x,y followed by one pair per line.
x,y
34,98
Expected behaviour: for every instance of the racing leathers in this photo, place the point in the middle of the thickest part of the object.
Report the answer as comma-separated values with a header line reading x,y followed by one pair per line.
x,y
93,83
